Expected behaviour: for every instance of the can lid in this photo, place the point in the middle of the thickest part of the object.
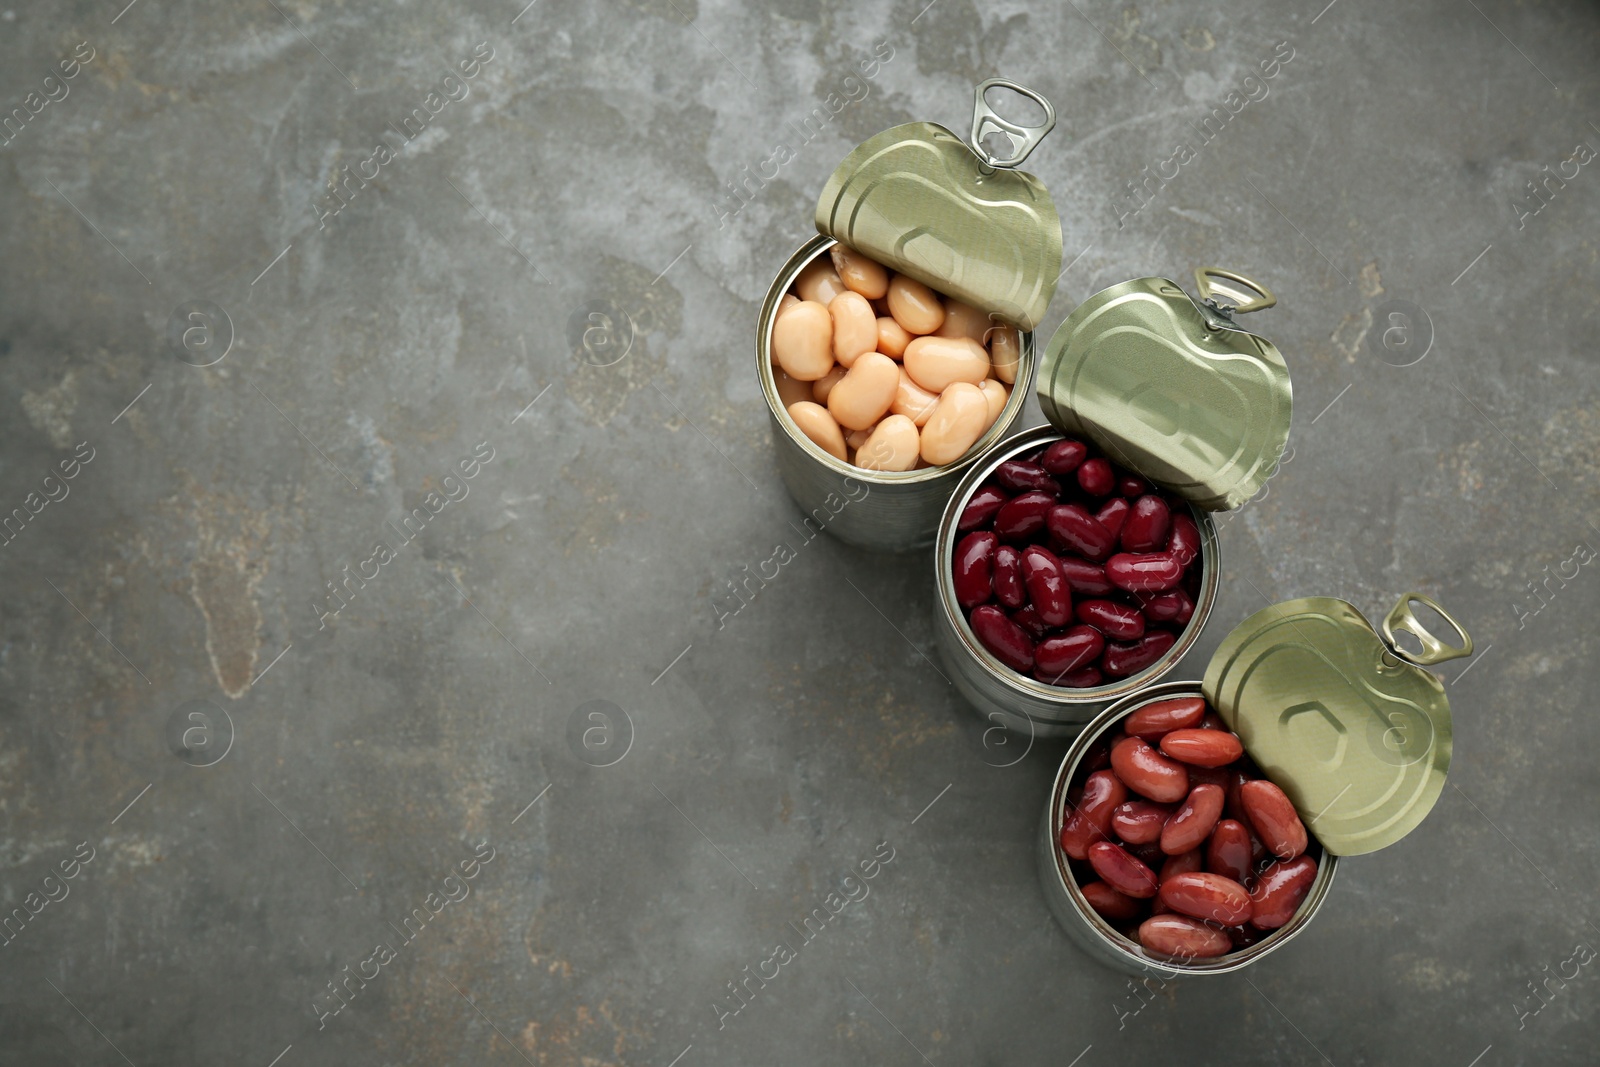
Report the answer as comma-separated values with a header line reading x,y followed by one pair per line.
x,y
954,216
1173,387
1349,724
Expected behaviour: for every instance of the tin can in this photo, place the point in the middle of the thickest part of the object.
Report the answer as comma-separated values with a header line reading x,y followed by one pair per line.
x,y
1016,701
1171,388
1360,742
952,215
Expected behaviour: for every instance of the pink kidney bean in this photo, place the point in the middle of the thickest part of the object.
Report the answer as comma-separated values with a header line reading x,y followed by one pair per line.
x,y
1228,851
1203,748
1280,891
1273,818
1139,822
1181,937
1163,716
1089,821
1121,871
1192,823
1208,897
1146,771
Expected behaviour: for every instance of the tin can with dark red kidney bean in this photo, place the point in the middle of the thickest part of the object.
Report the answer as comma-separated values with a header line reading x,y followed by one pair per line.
x,y
1327,740
1162,410
922,215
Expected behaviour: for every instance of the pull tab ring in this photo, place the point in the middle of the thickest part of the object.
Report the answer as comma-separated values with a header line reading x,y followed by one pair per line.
x,y
1433,650
1023,138
1241,296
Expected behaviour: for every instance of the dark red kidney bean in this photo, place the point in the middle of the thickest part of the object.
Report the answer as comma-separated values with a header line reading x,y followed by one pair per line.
x,y
1112,515
1183,542
1068,652
1086,579
981,507
1009,642
1121,871
1029,620
1183,863
1095,477
1208,897
1063,457
973,565
1273,818
1121,660
1073,528
1280,891
1202,748
1149,773
1163,716
1181,937
1131,485
1022,516
1188,827
1117,621
1087,678
1007,578
1148,572
1148,522
1021,477
1091,819
1228,851
1139,822
1047,587
1173,606
1110,903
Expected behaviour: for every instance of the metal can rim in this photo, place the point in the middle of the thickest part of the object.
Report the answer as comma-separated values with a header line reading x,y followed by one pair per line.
x,y
1021,389
1130,952
944,549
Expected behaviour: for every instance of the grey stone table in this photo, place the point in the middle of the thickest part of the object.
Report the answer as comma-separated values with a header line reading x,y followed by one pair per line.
x,y
258,765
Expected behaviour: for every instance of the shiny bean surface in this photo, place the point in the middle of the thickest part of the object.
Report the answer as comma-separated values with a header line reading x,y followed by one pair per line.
x,y
997,395
1206,896
1194,820
1112,515
913,401
1005,353
974,563
1004,639
1139,822
894,445
1110,903
981,506
1181,937
815,422
892,337
1143,572
1083,678
1090,820
1163,716
1146,771
1228,851
958,420
1020,477
1117,621
1064,457
858,273
855,327
963,320
1121,871
1183,540
1149,520
914,306
1047,587
1095,477
1069,652
802,340
1273,818
1122,659
1280,891
1075,530
1029,620
1022,516
864,394
936,363
1202,748
1085,578
1008,587
1174,606
1183,863
818,281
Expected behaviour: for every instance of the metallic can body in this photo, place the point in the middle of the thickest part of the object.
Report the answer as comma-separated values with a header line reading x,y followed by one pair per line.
x,y
897,511
1085,926
1000,694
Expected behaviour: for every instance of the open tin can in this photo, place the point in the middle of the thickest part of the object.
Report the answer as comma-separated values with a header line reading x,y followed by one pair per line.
x,y
1169,387
1350,725
961,220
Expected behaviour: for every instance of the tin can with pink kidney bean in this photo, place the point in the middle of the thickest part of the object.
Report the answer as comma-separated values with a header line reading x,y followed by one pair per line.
x,y
911,210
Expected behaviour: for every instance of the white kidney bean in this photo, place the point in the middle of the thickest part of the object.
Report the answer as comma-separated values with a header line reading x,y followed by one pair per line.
x,y
963,320
997,395
1005,352
790,390
818,281
803,341
855,327
913,401
815,422
824,385
955,425
892,337
893,446
865,392
936,362
858,273
914,306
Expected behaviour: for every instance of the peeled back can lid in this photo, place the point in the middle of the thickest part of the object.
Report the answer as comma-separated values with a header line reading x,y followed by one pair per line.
x,y
953,216
1349,724
1172,387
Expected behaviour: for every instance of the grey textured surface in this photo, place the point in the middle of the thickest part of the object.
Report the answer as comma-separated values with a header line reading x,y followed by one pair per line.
x,y
587,164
